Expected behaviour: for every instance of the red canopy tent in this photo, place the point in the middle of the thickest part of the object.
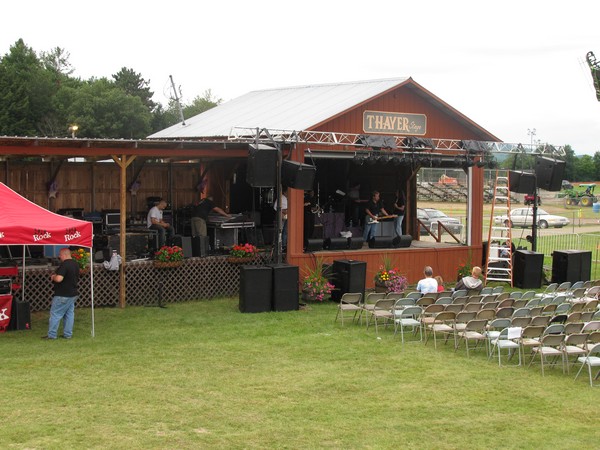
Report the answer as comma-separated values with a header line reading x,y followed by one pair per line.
x,y
24,223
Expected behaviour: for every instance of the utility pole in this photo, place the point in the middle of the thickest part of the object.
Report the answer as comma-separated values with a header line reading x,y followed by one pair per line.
x,y
177,100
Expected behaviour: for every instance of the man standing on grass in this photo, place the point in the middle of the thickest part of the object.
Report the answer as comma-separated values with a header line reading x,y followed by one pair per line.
x,y
65,281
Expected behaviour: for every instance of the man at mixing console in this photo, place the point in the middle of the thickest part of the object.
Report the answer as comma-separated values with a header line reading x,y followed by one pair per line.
x,y
200,214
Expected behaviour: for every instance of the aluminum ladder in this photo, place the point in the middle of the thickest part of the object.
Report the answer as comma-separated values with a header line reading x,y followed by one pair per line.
x,y
498,265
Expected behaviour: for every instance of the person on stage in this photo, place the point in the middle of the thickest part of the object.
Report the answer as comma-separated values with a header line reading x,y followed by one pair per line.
x,y
155,222
399,206
284,215
373,209
200,215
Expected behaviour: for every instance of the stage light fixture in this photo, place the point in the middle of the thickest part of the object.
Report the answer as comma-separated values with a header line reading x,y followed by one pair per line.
x,y
371,160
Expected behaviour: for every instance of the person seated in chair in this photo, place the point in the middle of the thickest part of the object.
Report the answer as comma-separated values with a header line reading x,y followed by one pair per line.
x,y
155,222
472,282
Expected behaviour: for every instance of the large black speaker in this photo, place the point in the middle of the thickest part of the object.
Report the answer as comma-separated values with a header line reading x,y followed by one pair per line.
x,y
256,289
348,276
20,317
336,243
402,241
355,243
136,243
262,167
571,265
297,175
527,269
521,182
200,246
549,173
381,242
313,245
285,287
185,242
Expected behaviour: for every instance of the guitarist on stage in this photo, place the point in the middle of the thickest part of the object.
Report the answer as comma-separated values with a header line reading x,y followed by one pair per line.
x,y
373,210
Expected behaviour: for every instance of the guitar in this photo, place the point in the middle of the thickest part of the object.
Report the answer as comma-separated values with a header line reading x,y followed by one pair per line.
x,y
371,221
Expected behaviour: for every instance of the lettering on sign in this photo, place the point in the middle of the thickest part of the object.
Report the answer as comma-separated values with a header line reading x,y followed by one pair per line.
x,y
394,123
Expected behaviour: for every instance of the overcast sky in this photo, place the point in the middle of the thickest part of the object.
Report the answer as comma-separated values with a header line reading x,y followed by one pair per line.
x,y
510,66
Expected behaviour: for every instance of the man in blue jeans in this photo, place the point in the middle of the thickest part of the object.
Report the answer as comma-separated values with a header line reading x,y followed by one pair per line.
x,y
65,281
373,209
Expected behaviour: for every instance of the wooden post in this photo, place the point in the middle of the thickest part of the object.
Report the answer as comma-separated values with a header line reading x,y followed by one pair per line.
x,y
123,162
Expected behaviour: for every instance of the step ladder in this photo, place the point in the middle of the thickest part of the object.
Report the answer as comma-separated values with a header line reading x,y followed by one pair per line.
x,y
499,250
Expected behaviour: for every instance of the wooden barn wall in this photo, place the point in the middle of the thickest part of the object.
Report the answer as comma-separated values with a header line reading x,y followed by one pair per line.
x,y
402,100
95,186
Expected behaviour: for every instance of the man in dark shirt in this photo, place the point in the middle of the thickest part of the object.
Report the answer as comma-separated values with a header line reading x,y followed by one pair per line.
x,y
373,209
65,281
200,216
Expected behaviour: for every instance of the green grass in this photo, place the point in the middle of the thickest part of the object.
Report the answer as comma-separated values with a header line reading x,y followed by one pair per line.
x,y
203,375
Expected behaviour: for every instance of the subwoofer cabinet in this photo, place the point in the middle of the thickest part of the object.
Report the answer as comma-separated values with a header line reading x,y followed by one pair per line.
x,y
571,265
527,269
348,276
256,289
285,287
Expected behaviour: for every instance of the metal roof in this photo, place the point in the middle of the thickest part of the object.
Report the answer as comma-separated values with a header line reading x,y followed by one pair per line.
x,y
289,108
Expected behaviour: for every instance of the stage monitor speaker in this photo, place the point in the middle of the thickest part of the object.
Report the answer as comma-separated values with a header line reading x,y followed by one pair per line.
x,y
285,287
313,245
355,243
549,173
20,317
348,276
336,243
527,269
200,246
256,289
402,241
521,182
262,167
185,242
571,265
381,242
297,175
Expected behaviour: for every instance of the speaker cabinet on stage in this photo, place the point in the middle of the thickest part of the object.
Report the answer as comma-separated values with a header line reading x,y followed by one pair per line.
x,y
527,269
200,246
336,243
297,175
285,287
313,245
20,317
521,182
262,167
571,265
256,289
348,276
136,243
381,242
549,173
402,241
355,243
185,242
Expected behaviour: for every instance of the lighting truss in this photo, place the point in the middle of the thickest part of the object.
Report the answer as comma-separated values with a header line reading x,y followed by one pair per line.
x,y
452,146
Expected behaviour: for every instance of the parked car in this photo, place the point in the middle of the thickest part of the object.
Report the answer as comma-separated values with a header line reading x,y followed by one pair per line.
x,y
430,217
523,217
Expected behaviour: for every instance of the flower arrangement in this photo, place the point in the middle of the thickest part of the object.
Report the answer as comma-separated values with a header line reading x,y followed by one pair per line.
x,y
315,285
464,270
81,257
243,251
169,254
389,277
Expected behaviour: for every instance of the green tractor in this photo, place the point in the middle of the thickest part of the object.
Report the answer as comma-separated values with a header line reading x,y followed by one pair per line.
x,y
575,197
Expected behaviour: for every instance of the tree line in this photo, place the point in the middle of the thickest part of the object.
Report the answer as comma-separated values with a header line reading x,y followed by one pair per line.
x,y
39,96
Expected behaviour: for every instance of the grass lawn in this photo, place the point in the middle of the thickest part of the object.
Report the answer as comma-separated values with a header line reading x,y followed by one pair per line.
x,y
203,375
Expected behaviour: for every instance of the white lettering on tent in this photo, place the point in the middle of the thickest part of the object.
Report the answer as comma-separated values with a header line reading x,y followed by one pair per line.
x,y
1,234
70,237
39,237
3,315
